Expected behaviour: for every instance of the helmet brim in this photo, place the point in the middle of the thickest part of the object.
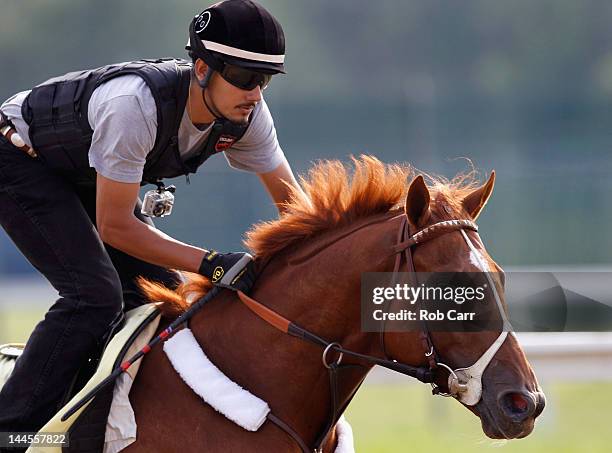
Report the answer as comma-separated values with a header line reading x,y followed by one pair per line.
x,y
259,66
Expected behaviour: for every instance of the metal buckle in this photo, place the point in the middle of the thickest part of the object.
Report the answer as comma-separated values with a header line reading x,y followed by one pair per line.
x,y
326,351
455,386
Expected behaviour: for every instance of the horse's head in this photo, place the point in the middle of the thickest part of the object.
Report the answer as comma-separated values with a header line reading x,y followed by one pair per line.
x,y
486,371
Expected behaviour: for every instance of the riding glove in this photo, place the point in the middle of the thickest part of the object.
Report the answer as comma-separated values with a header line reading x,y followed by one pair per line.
x,y
229,270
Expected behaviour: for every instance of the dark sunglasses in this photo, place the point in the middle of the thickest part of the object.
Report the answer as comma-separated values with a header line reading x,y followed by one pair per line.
x,y
245,79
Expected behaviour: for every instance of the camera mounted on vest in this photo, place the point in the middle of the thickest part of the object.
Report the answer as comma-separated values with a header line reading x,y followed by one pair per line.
x,y
240,33
158,202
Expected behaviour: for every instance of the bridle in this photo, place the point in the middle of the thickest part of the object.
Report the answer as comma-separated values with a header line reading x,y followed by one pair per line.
x,y
464,384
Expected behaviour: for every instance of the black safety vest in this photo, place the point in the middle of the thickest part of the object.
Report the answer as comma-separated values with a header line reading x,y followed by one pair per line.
x,y
56,112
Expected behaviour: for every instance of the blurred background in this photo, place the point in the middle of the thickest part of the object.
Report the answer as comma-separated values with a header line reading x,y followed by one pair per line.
x,y
523,87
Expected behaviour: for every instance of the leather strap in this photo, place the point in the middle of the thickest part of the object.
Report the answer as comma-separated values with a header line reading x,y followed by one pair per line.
x,y
265,313
289,430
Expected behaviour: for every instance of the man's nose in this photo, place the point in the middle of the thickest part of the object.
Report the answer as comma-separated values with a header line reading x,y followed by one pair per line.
x,y
254,94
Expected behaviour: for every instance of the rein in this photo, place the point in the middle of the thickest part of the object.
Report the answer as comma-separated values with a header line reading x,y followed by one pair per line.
x,y
423,374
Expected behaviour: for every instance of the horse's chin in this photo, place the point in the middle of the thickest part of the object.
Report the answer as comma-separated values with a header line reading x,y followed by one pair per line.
x,y
496,426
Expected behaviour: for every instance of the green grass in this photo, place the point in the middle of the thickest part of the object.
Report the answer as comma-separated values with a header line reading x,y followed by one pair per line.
x,y
16,325
406,418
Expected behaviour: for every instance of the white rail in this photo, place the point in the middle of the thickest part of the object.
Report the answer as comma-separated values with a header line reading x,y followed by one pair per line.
x,y
565,356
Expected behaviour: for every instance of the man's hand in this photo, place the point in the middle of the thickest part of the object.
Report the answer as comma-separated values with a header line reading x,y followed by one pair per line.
x,y
229,270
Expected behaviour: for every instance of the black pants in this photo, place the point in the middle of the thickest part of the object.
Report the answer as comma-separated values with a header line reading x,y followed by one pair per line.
x,y
52,222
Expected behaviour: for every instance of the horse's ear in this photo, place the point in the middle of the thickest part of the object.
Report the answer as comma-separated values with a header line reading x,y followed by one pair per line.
x,y
475,201
417,202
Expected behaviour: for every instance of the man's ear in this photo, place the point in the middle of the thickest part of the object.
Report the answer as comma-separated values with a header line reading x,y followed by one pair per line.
x,y
200,68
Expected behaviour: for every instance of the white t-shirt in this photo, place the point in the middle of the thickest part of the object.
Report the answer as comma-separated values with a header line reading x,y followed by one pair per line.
x,y
123,117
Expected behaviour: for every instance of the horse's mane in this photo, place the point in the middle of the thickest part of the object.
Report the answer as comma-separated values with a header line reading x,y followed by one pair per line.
x,y
332,197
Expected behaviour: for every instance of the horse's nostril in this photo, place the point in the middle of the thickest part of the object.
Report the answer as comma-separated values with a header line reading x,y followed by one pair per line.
x,y
517,405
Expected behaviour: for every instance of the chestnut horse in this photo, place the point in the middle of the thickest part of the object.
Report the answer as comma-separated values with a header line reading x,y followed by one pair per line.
x,y
311,260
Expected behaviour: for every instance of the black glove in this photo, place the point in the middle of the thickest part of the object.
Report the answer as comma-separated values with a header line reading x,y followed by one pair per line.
x,y
229,270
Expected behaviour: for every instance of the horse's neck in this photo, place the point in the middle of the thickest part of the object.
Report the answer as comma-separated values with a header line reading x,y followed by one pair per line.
x,y
320,294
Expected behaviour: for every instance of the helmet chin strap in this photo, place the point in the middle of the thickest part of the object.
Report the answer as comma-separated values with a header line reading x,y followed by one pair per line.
x,y
204,85
210,108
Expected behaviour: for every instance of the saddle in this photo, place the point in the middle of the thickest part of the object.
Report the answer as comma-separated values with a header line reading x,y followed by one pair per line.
x,y
87,427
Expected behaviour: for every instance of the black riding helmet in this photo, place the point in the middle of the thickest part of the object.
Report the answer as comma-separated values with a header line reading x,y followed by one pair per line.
x,y
240,33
